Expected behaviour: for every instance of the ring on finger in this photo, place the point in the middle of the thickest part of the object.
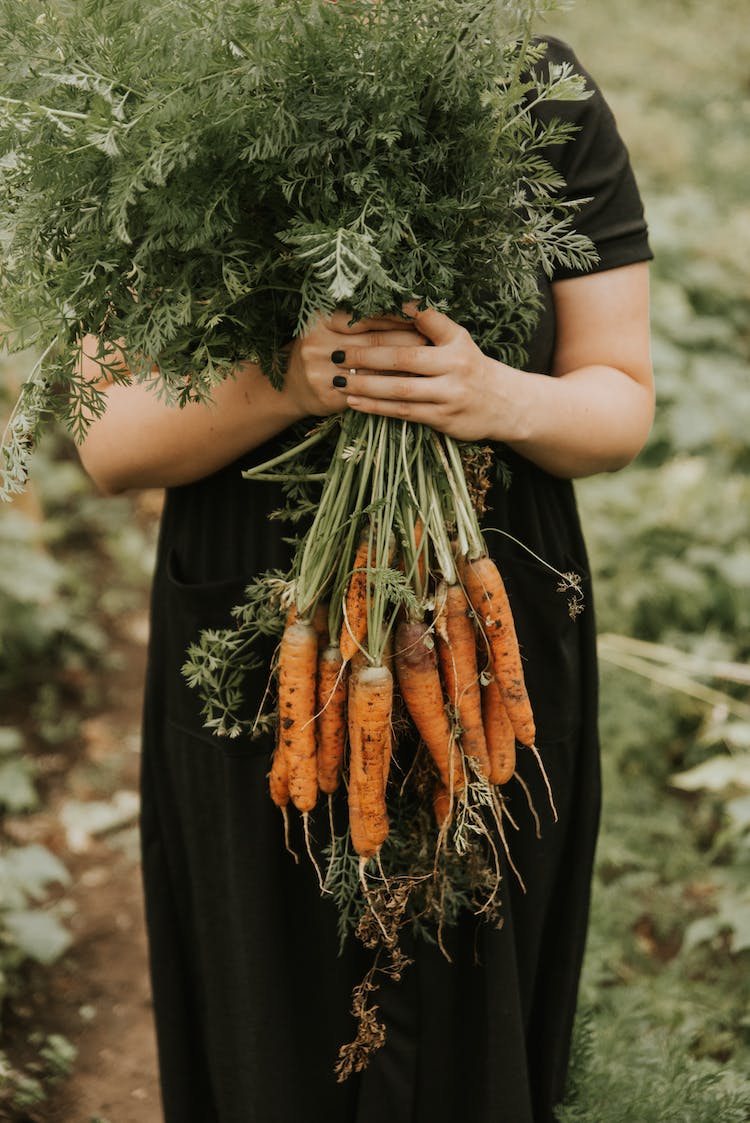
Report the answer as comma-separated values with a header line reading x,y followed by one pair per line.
x,y
352,370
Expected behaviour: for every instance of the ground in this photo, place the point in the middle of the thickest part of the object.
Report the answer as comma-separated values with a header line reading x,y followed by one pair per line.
x,y
97,996
100,1000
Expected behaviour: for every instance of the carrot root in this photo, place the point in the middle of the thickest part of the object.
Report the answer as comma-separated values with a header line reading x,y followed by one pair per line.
x,y
287,843
298,658
458,663
331,718
537,824
308,847
421,690
442,805
369,720
498,807
501,738
545,777
354,628
486,592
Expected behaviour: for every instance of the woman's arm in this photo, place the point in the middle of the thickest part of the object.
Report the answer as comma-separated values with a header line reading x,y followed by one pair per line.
x,y
142,442
594,416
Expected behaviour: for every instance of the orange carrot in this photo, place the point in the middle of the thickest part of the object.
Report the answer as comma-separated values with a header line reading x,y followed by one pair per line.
x,y
298,657
331,719
369,720
278,778
486,592
501,740
441,803
320,624
363,843
422,692
387,660
354,628
458,663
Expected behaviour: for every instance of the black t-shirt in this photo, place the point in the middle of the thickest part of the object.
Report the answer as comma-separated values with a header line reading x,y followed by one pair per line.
x,y
596,167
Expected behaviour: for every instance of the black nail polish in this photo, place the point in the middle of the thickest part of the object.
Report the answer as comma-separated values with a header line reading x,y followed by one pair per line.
x,y
338,357
339,381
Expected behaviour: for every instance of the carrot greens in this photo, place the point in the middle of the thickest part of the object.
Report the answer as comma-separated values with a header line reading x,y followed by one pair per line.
x,y
200,180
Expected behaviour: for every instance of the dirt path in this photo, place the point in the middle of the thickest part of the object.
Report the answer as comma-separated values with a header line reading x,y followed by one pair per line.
x,y
101,995
97,996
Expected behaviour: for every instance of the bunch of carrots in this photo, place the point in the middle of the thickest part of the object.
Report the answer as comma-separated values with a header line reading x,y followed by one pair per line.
x,y
330,696
394,597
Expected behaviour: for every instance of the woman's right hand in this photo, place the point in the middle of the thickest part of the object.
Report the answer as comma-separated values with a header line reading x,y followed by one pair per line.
x,y
310,371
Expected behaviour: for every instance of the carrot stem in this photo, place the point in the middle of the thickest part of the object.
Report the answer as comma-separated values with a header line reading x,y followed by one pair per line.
x,y
291,453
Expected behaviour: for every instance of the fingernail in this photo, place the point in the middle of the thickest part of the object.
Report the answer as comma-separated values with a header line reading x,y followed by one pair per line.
x,y
338,357
339,380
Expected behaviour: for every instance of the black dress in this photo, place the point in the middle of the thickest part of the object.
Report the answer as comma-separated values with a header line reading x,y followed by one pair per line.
x,y
252,1001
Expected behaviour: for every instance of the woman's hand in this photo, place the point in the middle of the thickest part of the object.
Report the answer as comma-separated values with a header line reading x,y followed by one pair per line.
x,y
592,413
458,389
311,368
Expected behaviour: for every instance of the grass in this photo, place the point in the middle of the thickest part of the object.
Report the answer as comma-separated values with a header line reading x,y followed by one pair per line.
x,y
664,1025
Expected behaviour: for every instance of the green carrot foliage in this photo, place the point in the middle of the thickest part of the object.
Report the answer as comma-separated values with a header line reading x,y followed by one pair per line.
x,y
199,181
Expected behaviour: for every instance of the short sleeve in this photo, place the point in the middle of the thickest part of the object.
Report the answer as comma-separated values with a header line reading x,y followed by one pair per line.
x,y
596,166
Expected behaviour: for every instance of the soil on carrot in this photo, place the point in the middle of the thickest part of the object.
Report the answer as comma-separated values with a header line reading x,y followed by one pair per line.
x,y
97,996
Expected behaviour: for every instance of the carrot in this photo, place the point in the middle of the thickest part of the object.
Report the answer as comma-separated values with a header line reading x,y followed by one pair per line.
x,y
298,656
387,660
369,720
278,777
486,592
354,628
320,624
441,804
363,844
331,718
422,692
319,621
458,663
501,740
361,841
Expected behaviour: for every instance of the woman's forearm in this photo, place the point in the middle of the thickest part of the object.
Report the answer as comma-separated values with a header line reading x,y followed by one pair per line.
x,y
595,415
142,442
589,420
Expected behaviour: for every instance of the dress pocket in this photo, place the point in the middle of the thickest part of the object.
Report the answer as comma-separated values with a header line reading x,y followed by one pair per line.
x,y
553,646
186,610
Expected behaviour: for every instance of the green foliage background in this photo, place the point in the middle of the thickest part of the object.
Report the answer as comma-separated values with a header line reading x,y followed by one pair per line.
x,y
665,1027
70,566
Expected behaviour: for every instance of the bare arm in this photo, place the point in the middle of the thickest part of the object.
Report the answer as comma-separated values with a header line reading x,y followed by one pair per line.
x,y
597,413
142,442
594,416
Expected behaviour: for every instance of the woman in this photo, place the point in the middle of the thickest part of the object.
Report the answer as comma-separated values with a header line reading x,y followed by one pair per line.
x,y
251,999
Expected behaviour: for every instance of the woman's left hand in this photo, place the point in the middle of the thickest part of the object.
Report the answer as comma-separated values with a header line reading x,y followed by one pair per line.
x,y
593,415
445,386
